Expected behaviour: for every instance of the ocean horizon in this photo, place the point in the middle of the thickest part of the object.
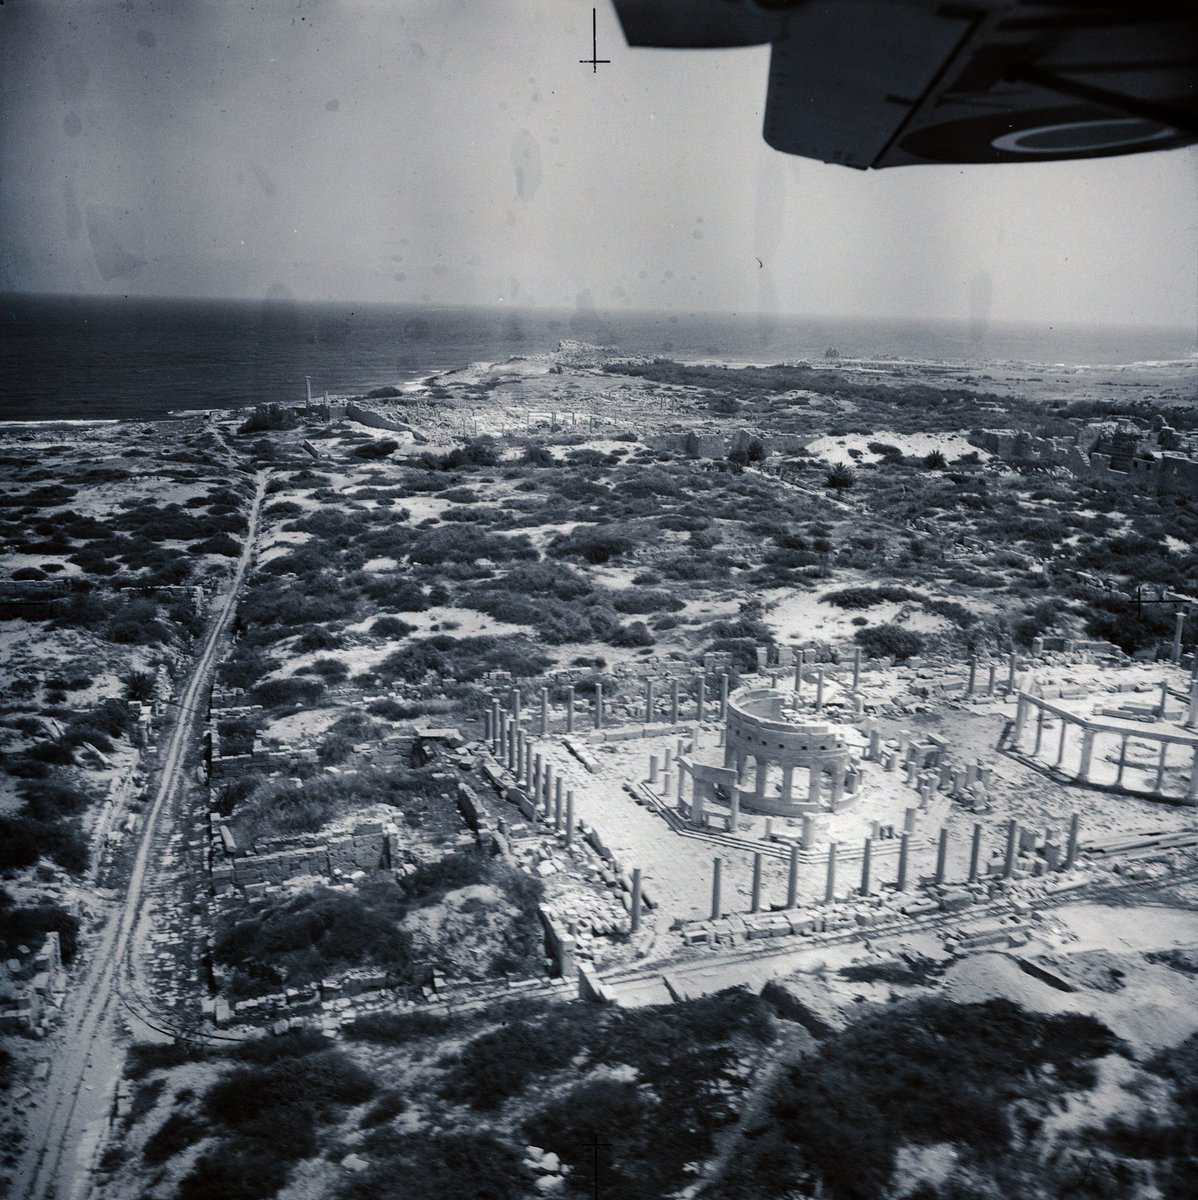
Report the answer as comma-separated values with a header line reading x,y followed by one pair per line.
x,y
78,358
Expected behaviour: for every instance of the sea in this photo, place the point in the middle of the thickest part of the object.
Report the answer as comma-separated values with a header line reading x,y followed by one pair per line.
x,y
81,358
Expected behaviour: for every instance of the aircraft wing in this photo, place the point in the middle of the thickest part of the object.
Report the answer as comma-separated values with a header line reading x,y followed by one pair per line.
x,y
887,83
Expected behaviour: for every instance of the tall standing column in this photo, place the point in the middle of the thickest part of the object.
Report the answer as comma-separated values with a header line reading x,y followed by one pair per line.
x,y
701,702
569,816
942,855
1083,770
1192,789
569,710
547,789
975,851
598,706
496,725
1160,767
792,877
1061,746
856,668
648,701
1122,760
830,885
904,855
557,804
723,697
798,672
1011,669
1075,828
734,811
1178,628
544,712
819,689
815,773
1192,715
635,916
866,867
1012,848
716,864
973,675
993,677
756,895
515,701
1039,728
1020,721
788,775
673,701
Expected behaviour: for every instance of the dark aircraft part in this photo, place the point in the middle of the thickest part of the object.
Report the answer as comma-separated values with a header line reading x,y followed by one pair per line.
x,y
888,83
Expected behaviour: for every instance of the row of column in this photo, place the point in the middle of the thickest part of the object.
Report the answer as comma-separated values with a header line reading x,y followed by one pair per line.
x,y
1017,839
1087,747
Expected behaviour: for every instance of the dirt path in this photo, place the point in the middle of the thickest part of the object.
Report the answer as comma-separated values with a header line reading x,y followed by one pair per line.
x,y
64,1130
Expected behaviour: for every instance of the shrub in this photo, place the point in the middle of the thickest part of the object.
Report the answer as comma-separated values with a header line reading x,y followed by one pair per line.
x,y
596,545
391,627
376,449
886,641
839,478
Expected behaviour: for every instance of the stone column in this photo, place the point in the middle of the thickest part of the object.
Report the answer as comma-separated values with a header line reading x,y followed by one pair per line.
x,y
716,864
830,885
598,706
570,817
734,811
489,727
807,837
792,877
536,780
755,904
1061,747
975,851
1160,767
993,676
1192,789
570,710
496,725
942,855
648,701
760,773
515,702
875,745
557,804
798,672
544,712
866,867
1074,829
788,775
904,851
819,689
723,697
1020,720
837,784
1179,626
1039,728
813,784
701,702
550,781
666,779
1192,716
1122,759
652,768
1083,770
1011,669
673,701
973,676
910,817
1012,846
856,667
635,916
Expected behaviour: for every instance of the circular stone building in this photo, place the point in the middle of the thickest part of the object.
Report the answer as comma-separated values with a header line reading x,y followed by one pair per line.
x,y
766,727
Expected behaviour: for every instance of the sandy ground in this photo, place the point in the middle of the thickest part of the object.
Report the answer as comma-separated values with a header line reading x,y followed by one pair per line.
x,y
836,449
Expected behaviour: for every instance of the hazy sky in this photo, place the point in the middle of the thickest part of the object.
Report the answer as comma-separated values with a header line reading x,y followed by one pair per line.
x,y
459,153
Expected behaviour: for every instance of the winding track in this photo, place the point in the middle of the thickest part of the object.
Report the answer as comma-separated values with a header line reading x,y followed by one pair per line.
x,y
87,1057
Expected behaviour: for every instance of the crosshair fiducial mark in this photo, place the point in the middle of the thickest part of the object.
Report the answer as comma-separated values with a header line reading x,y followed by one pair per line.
x,y
596,1145
594,60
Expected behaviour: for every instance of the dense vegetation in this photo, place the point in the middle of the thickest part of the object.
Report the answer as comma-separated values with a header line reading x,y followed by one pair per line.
x,y
922,1073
